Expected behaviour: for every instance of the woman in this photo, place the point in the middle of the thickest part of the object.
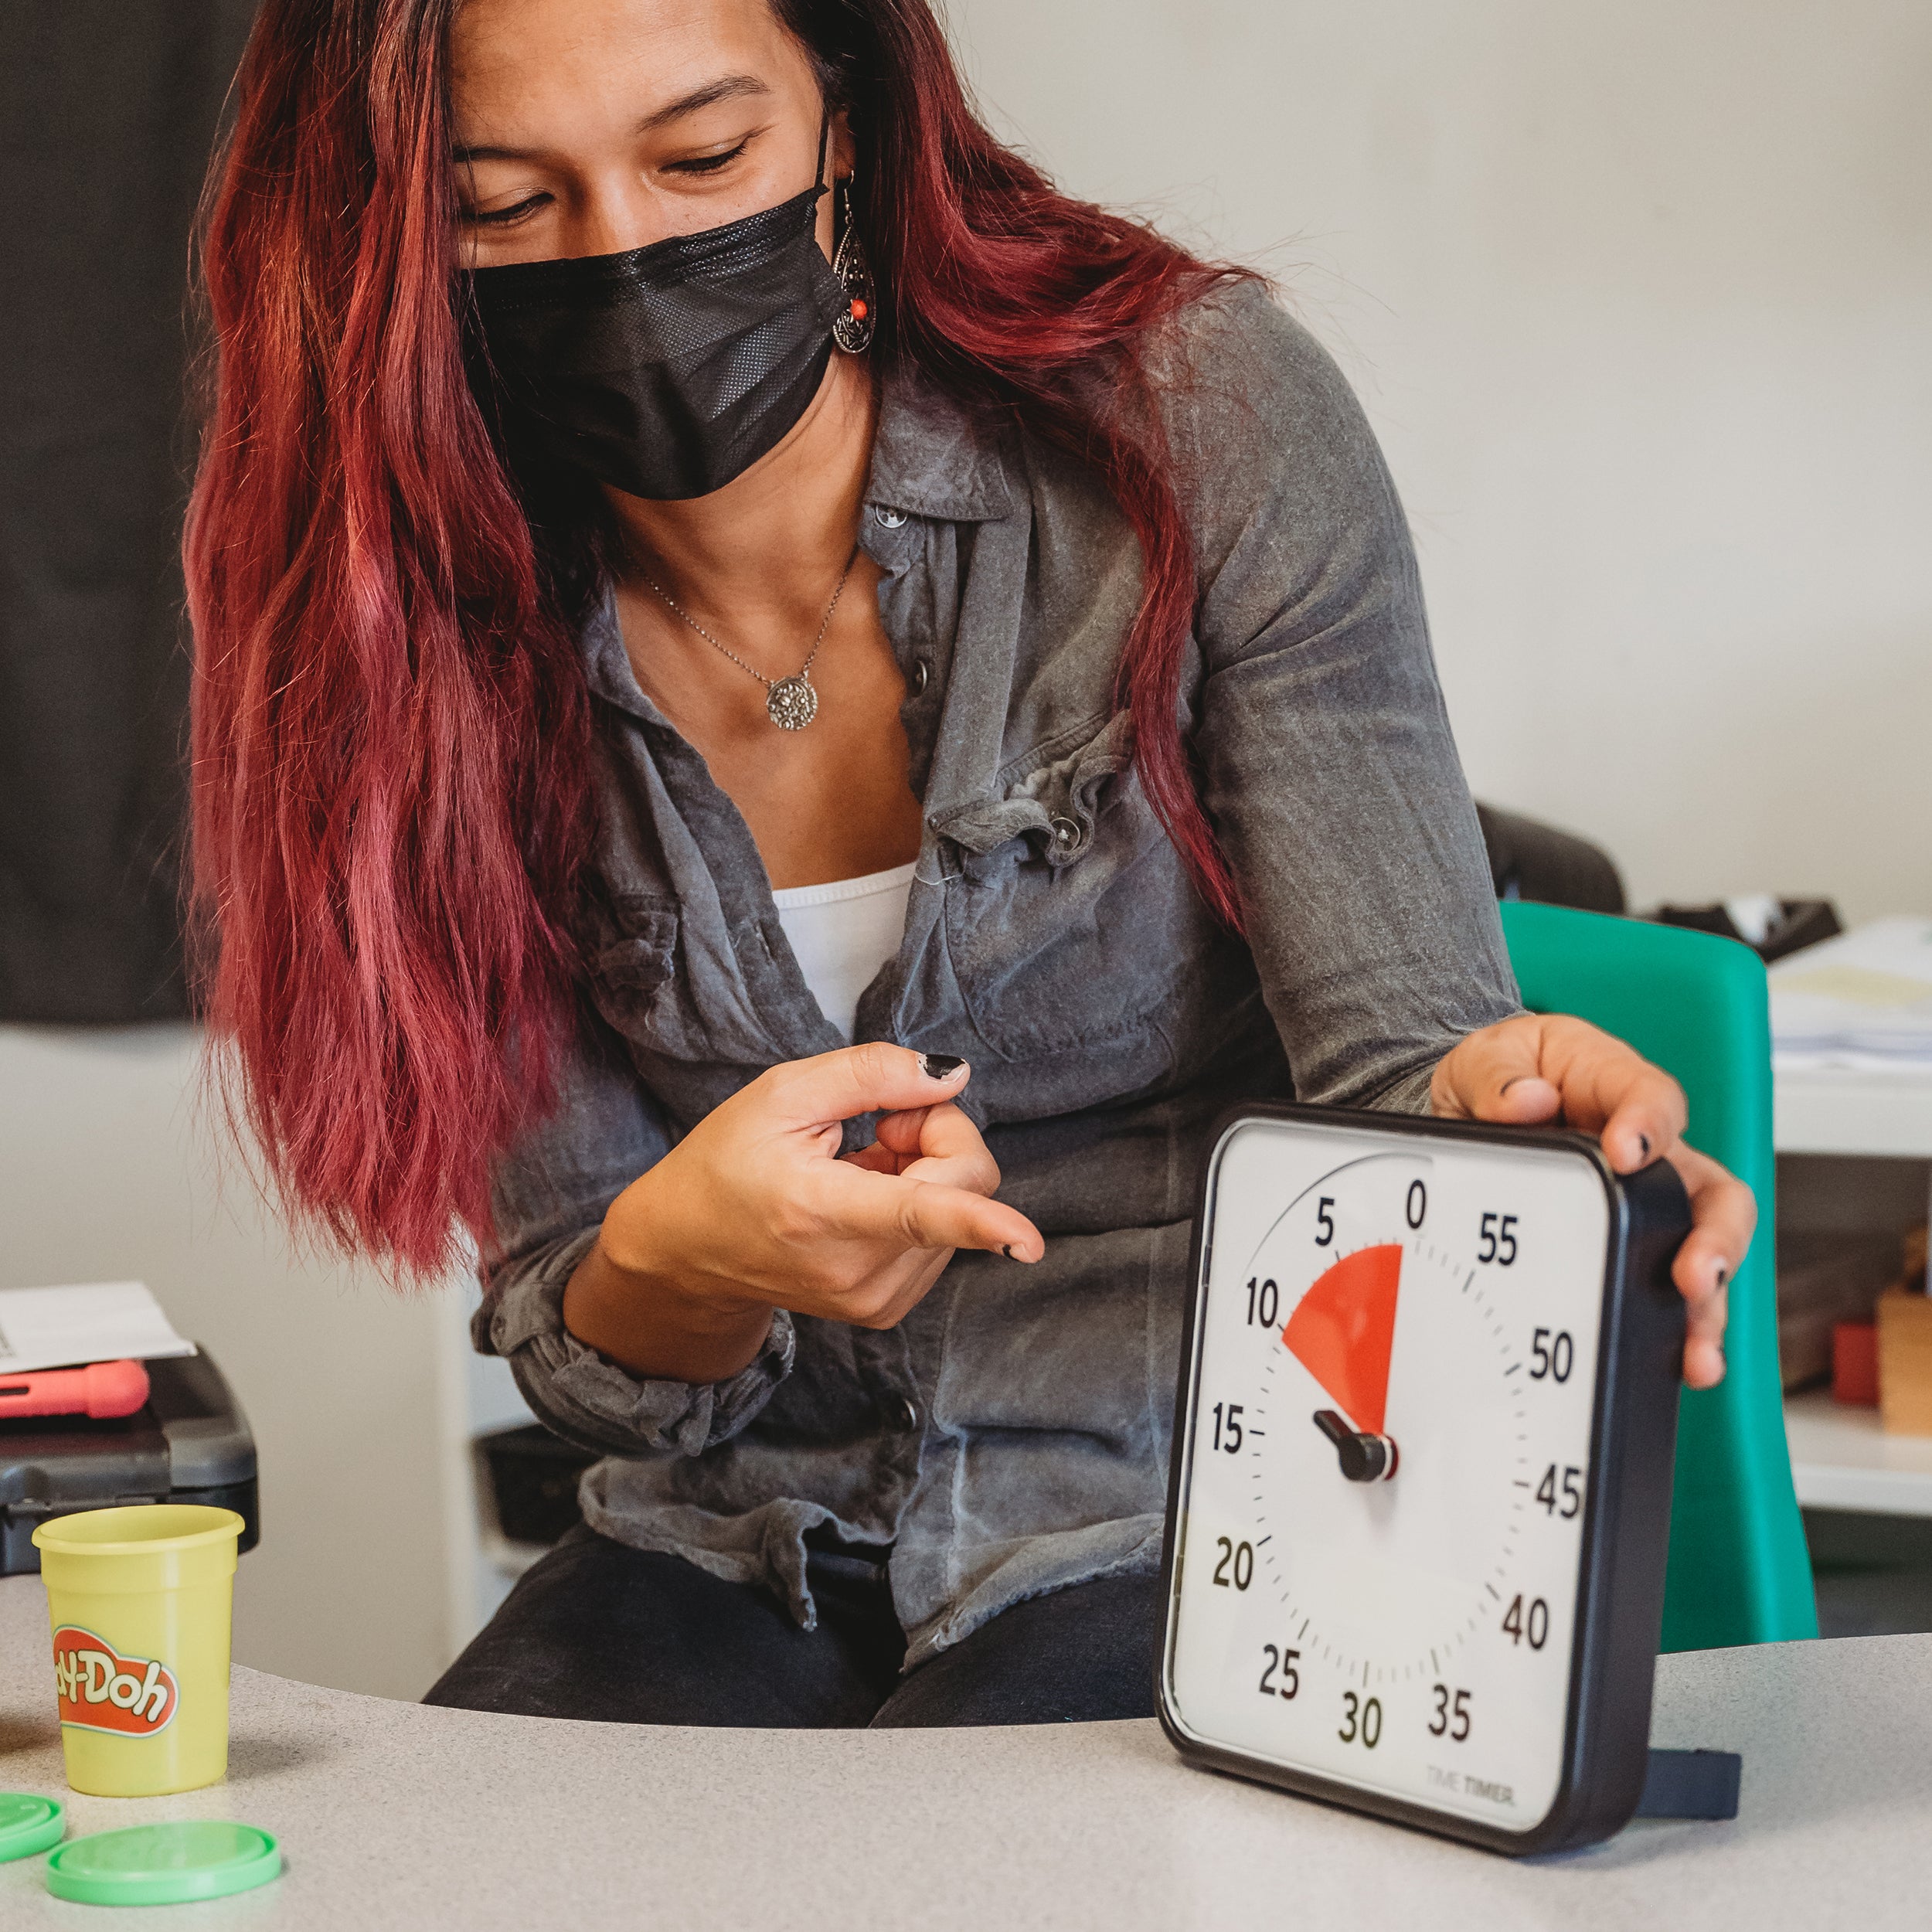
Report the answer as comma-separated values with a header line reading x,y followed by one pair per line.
x,y
702,556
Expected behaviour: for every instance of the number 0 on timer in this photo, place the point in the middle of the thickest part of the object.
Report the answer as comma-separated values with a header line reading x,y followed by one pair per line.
x,y
1422,1471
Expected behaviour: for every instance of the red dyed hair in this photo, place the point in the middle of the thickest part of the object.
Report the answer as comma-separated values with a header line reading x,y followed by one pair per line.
x,y
391,736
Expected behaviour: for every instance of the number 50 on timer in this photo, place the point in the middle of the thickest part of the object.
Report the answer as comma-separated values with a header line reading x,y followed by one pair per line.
x,y
1420,1498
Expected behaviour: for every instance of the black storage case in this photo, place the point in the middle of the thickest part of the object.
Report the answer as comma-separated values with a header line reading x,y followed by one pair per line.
x,y
533,1481
190,1444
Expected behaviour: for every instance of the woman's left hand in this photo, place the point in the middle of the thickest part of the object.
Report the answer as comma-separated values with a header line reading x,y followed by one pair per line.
x,y
1548,1067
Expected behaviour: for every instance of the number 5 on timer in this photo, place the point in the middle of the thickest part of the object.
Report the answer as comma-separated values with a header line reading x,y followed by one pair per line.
x,y
1420,1496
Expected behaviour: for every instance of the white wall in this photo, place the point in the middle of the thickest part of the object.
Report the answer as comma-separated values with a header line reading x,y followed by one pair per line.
x,y
1640,300
108,1171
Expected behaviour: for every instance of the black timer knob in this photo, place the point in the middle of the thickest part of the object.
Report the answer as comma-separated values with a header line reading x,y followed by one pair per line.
x,y
1363,1457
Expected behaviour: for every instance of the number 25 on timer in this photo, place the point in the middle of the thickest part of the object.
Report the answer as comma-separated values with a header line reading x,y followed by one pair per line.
x,y
1420,1494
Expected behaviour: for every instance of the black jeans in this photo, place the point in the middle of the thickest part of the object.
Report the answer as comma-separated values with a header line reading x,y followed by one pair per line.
x,y
598,1630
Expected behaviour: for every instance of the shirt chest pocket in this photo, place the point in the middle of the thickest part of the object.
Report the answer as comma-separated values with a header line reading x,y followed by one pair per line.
x,y
1070,917
670,997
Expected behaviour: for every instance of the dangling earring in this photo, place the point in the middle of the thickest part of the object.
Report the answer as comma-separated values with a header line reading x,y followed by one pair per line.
x,y
853,331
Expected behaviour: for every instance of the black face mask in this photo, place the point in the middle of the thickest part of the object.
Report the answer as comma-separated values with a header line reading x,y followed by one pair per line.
x,y
668,370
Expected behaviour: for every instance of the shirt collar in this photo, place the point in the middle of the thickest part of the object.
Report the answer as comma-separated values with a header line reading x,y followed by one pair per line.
x,y
929,458
607,664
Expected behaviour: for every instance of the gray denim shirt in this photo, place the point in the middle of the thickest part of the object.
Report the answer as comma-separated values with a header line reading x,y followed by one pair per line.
x,y
1011,1436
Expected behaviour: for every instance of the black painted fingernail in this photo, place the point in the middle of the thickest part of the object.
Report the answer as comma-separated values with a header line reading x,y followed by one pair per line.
x,y
939,1066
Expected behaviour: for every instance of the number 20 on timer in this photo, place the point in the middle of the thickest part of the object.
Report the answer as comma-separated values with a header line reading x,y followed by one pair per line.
x,y
1422,1471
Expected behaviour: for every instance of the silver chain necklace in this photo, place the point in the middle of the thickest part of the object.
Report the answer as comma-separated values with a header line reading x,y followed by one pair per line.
x,y
790,703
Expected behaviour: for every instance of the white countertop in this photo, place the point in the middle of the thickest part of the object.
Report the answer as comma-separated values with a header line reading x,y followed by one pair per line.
x,y
392,1815
1842,1459
1832,1109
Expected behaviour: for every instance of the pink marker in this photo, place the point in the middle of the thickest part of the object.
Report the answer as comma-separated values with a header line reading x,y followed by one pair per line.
x,y
101,1389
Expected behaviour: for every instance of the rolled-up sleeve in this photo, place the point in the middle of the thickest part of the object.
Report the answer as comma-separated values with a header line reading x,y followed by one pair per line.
x,y
1327,765
550,1194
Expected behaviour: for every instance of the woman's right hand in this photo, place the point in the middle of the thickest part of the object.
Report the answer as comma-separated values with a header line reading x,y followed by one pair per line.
x,y
755,1210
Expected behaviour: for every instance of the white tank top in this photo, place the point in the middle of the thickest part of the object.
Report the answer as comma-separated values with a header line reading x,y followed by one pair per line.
x,y
841,933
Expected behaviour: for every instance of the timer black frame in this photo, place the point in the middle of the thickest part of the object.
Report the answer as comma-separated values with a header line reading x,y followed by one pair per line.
x,y
1626,1529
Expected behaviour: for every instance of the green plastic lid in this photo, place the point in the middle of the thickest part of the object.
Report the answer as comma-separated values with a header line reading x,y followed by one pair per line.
x,y
164,1864
28,1824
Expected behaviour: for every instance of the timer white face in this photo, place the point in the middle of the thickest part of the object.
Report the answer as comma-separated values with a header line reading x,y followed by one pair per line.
x,y
1385,1472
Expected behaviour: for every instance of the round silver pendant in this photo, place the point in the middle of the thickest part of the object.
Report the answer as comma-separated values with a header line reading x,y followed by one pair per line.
x,y
791,704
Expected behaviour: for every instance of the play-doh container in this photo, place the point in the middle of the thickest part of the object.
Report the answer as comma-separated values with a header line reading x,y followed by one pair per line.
x,y
140,1600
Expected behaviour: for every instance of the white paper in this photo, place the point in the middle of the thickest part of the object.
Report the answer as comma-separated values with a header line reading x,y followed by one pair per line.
x,y
99,1321
1862,1000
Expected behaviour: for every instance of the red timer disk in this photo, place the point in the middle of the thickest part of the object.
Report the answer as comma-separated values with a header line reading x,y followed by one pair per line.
x,y
1344,1330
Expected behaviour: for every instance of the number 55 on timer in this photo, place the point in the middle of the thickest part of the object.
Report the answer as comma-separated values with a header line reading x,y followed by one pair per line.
x,y
1420,1498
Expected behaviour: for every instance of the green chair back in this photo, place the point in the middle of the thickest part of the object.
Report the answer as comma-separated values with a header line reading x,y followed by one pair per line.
x,y
1698,1006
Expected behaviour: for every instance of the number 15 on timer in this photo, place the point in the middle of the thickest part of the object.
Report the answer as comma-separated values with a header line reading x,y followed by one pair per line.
x,y
1422,1468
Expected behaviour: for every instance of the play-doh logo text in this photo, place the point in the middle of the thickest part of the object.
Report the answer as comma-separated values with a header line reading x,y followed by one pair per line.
x,y
102,1690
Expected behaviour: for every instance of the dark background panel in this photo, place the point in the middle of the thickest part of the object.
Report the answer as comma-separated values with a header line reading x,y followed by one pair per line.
x,y
108,109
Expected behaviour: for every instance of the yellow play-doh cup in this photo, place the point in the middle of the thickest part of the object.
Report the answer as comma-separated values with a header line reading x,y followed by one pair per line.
x,y
140,1600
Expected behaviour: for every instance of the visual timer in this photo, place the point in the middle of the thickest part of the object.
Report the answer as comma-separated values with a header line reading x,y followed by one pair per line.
x,y
1421,1485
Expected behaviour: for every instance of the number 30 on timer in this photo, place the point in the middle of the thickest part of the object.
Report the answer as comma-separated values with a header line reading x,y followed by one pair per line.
x,y
1421,1483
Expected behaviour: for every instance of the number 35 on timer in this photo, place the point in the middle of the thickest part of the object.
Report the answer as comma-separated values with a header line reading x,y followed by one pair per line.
x,y
1421,1487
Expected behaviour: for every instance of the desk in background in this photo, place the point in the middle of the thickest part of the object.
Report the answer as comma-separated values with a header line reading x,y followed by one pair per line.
x,y
1840,1458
